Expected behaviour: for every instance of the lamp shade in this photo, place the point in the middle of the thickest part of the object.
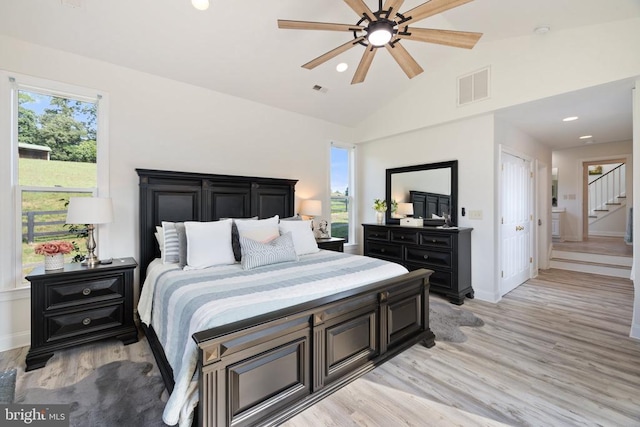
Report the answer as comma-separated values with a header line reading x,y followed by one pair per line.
x,y
89,210
405,209
311,208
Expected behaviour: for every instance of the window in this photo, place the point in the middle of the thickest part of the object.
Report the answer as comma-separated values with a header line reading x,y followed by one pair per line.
x,y
342,192
56,154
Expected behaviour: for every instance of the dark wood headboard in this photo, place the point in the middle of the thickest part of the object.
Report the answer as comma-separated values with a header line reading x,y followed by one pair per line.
x,y
185,196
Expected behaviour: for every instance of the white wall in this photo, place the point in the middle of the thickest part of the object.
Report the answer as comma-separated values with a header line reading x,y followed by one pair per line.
x,y
523,69
157,123
469,141
569,164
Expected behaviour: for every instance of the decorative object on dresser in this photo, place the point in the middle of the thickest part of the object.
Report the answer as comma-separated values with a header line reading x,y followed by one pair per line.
x,y
380,206
331,244
54,253
90,211
79,304
446,251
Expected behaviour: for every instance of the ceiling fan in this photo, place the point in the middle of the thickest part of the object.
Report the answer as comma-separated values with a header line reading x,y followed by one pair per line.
x,y
387,27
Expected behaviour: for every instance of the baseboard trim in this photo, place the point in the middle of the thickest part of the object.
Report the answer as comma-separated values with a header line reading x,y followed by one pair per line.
x,y
16,340
607,233
635,332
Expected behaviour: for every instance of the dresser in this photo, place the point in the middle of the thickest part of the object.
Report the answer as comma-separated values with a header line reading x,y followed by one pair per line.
x,y
446,251
77,305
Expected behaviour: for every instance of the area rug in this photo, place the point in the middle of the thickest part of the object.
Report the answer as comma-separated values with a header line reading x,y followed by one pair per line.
x,y
7,386
120,394
445,321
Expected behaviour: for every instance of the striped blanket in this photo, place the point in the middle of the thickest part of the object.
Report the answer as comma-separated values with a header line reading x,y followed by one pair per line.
x,y
179,303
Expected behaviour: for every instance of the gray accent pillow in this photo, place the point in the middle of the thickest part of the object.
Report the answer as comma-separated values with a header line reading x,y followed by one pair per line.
x,y
257,254
235,238
182,244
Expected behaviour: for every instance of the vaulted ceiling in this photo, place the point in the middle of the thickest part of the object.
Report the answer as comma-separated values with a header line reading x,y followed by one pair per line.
x,y
235,47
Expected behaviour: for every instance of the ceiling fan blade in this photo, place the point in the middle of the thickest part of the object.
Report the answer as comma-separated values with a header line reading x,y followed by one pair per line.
x,y
306,25
361,9
394,5
363,67
331,54
430,8
464,39
409,65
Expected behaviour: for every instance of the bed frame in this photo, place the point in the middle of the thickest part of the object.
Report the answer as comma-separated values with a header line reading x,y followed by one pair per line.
x,y
265,370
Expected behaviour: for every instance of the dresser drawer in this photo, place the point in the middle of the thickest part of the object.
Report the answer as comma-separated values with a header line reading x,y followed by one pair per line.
x,y
436,240
376,234
438,281
381,250
428,257
80,292
404,236
81,322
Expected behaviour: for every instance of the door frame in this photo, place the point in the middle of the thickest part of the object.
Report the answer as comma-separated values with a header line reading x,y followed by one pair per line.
x,y
533,241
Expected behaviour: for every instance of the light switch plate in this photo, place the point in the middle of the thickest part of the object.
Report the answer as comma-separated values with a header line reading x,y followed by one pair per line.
x,y
475,214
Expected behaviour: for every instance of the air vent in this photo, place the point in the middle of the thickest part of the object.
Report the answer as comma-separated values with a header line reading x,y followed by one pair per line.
x,y
474,86
320,89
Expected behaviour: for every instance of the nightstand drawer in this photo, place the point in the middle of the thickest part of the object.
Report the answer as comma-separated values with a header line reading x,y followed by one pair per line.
x,y
82,322
72,293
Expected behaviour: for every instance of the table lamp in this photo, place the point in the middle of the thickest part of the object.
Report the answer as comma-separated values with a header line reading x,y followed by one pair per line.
x,y
90,211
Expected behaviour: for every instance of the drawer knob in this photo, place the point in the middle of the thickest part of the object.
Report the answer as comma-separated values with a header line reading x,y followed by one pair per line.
x,y
426,257
401,237
382,250
434,241
86,321
86,291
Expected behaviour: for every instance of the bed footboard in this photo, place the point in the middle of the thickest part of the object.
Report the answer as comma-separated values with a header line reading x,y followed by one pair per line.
x,y
265,370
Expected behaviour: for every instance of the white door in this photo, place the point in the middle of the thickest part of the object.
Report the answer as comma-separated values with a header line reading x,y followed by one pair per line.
x,y
516,219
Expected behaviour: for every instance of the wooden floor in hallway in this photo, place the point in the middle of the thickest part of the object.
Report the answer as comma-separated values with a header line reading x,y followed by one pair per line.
x,y
597,245
553,352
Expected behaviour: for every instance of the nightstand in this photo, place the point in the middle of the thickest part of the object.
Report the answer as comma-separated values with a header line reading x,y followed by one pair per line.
x,y
331,243
77,304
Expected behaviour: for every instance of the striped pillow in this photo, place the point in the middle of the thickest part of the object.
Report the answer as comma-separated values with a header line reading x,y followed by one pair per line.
x,y
256,254
171,250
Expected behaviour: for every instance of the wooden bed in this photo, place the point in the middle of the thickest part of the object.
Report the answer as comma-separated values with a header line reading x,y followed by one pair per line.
x,y
265,370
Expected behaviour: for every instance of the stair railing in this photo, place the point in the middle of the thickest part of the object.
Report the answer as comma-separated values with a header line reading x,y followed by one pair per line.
x,y
607,190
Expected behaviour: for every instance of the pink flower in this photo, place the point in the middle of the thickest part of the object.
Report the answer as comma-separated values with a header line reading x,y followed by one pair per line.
x,y
52,248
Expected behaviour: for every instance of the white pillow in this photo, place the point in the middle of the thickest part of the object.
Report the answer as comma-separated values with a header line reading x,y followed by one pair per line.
x,y
260,230
208,244
303,238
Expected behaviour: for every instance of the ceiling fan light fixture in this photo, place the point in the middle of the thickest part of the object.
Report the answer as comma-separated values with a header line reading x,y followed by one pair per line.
x,y
200,4
379,33
342,67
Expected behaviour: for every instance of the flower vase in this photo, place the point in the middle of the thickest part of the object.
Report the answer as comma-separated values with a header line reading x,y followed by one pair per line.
x,y
54,262
380,217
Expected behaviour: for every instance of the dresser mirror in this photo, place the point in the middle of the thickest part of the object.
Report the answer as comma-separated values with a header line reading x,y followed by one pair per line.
x,y
432,189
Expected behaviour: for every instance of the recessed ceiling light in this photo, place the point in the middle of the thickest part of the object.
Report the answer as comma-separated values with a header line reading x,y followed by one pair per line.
x,y
570,119
342,67
542,29
586,137
200,4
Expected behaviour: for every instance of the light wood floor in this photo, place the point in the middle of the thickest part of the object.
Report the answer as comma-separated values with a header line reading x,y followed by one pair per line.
x,y
554,351
597,245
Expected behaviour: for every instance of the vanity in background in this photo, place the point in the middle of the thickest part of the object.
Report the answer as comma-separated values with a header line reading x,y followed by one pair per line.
x,y
446,251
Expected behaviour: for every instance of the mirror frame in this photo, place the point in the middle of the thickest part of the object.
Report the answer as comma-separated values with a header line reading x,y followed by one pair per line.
x,y
453,165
